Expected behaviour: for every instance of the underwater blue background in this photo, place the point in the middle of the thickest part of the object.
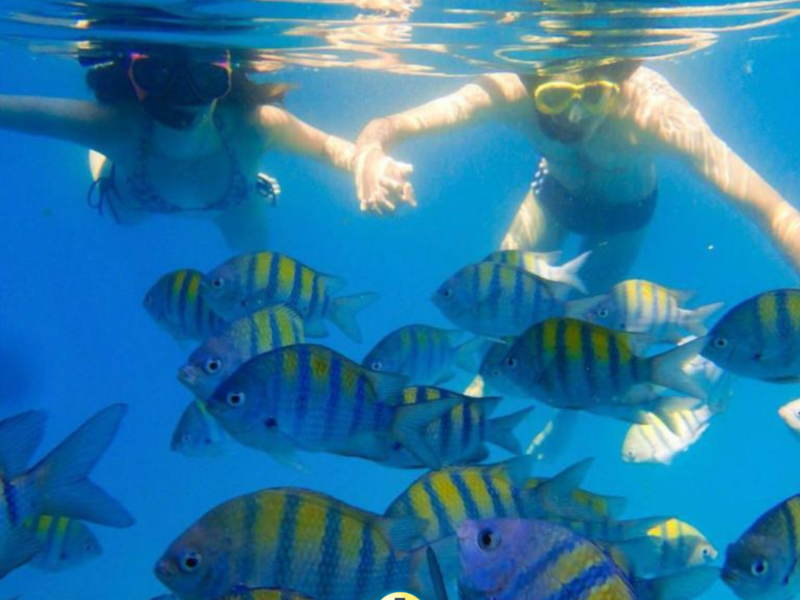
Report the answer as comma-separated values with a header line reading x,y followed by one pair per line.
x,y
74,336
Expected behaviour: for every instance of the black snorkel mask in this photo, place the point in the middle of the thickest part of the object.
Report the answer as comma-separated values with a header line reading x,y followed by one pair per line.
x,y
175,88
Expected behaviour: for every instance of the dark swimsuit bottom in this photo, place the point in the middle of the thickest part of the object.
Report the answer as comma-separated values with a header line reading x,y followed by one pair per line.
x,y
587,216
104,191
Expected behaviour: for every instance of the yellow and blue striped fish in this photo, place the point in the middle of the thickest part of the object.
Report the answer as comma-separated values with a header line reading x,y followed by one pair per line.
x,y
660,440
198,433
541,264
64,542
516,559
606,530
666,548
585,505
760,337
251,281
460,435
426,355
312,398
574,364
494,299
639,306
446,497
221,354
763,562
295,539
178,304
244,593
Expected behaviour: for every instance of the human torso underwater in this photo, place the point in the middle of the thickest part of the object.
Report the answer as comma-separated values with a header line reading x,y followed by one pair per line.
x,y
204,171
613,163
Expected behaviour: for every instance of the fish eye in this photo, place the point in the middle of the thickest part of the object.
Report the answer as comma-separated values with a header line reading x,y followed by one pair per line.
x,y
270,422
720,343
759,567
488,540
212,365
235,399
603,313
446,292
218,283
376,365
148,299
190,562
511,362
186,438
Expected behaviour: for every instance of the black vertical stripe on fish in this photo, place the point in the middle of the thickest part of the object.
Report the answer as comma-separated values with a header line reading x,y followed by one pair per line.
x,y
439,508
251,511
183,302
366,561
272,282
561,359
445,431
613,362
359,407
315,293
297,285
466,427
582,585
470,508
305,378
390,571
335,397
287,534
536,569
498,508
791,537
494,286
328,570
589,359
275,328
783,324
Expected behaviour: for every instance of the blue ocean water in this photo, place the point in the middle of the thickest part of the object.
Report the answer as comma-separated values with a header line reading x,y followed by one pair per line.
x,y
75,337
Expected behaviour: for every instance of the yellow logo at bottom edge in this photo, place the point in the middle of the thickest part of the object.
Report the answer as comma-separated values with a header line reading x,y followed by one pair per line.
x,y
400,596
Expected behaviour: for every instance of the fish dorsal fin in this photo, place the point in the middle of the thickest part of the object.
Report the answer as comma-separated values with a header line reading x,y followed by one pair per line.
x,y
20,436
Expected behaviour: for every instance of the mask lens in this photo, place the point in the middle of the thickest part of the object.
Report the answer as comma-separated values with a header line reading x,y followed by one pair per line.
x,y
210,80
152,74
554,97
598,97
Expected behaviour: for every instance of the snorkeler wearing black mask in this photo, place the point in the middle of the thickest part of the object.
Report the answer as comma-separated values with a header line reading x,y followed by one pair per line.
x,y
598,130
177,131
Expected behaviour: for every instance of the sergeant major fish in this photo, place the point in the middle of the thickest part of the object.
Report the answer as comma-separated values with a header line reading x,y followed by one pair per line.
x,y
65,543
221,354
311,398
296,539
639,306
426,355
248,282
57,485
760,337
177,303
198,433
540,263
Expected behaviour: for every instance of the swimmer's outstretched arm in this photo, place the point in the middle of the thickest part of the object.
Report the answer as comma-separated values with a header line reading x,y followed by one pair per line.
x,y
284,131
86,123
678,127
380,181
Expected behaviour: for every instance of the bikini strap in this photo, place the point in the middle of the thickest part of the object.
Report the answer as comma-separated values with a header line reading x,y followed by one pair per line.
x,y
104,188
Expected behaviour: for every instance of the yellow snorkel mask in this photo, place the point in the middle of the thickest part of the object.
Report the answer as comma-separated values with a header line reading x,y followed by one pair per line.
x,y
555,97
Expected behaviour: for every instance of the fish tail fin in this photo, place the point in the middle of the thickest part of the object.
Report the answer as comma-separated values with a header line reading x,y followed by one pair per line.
x,y
569,272
343,312
681,586
59,484
501,430
667,369
20,435
409,427
694,319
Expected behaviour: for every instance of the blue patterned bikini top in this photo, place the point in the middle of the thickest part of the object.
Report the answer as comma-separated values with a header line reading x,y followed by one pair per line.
x,y
145,197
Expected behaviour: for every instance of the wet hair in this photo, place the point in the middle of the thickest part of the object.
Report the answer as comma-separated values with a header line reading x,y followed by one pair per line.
x,y
110,83
618,72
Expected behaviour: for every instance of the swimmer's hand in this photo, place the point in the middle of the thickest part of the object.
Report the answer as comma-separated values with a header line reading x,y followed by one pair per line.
x,y
381,181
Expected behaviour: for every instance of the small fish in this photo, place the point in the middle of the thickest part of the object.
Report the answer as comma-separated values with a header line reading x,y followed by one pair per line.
x,y
494,299
667,548
445,497
65,543
639,306
460,435
541,264
763,563
177,304
198,433
760,338
311,398
790,413
57,485
221,354
251,281
657,442
577,365
426,355
299,540
583,505
241,592
607,531
516,559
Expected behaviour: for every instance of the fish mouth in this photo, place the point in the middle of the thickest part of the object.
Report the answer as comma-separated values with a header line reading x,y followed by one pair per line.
x,y
729,576
189,374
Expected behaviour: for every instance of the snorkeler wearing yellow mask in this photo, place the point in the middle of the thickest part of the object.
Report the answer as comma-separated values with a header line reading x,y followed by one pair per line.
x,y
598,131
178,131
